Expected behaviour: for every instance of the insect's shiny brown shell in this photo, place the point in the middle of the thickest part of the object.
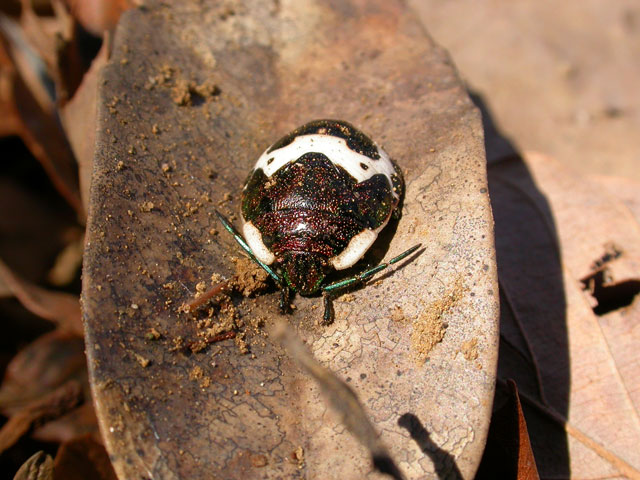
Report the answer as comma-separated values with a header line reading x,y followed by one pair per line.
x,y
316,199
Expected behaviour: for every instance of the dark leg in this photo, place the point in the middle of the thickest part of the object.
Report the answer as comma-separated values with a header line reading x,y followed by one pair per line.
x,y
285,299
328,315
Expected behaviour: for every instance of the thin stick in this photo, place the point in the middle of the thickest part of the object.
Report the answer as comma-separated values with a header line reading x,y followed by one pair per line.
x,y
205,297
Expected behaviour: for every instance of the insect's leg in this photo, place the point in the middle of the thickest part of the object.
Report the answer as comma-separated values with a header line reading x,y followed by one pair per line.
x,y
238,238
285,299
347,282
328,315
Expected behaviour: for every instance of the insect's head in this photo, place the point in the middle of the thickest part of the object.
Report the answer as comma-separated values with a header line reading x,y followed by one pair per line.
x,y
304,271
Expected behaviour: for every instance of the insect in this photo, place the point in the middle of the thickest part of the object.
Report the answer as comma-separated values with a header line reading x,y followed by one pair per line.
x,y
316,201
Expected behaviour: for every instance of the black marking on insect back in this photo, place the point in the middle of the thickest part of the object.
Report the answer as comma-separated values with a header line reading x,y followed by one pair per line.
x,y
314,206
356,140
397,181
255,197
376,202
398,184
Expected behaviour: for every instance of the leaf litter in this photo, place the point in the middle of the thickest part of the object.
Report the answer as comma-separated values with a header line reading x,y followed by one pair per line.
x,y
44,393
219,317
572,353
432,323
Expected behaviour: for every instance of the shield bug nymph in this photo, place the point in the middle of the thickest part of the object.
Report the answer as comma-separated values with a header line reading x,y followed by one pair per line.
x,y
316,201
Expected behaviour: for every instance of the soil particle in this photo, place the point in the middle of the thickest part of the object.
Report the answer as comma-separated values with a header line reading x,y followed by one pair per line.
x,y
397,314
241,343
297,456
153,334
249,278
429,328
196,373
146,206
470,349
144,362
185,92
259,461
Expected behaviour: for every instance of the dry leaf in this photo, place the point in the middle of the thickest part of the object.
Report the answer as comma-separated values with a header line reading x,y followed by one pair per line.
x,y
577,371
44,365
83,458
51,406
162,163
38,467
68,262
622,189
77,423
22,60
55,41
38,125
79,120
11,123
38,225
508,454
341,398
61,308
98,16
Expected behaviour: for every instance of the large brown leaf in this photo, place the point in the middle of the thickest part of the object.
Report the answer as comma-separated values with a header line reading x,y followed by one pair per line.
x,y
569,265
192,94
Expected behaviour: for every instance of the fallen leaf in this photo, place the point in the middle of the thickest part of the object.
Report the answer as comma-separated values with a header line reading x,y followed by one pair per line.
x,y
11,123
21,60
508,454
78,117
577,371
83,458
52,360
98,16
51,406
54,39
77,423
623,189
341,398
38,224
68,262
161,166
38,467
61,308
38,125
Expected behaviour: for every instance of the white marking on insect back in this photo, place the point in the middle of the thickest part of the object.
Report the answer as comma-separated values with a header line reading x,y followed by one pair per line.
x,y
336,150
254,238
355,250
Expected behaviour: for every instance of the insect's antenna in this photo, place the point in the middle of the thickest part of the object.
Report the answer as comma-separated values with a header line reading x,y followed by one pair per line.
x,y
368,273
246,248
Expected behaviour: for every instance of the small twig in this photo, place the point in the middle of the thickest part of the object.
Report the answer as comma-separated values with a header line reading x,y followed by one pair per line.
x,y
206,296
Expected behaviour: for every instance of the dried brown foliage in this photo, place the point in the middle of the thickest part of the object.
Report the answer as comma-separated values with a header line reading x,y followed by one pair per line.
x,y
568,261
46,73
